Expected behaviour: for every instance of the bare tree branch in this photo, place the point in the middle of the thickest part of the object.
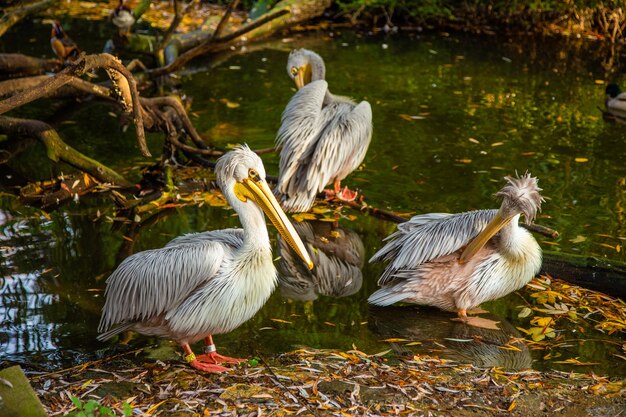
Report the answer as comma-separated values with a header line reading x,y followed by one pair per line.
x,y
82,65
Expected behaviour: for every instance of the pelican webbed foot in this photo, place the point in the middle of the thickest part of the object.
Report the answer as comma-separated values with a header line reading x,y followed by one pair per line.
x,y
198,364
214,358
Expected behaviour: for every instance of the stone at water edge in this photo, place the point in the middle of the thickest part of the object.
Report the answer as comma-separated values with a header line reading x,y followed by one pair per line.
x,y
19,400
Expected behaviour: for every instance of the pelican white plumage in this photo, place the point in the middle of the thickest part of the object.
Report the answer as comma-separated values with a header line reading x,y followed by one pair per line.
x,y
323,137
458,261
205,283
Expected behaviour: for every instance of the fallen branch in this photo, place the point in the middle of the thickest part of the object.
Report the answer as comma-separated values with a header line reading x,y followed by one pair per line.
x,y
20,64
210,45
83,64
13,15
57,150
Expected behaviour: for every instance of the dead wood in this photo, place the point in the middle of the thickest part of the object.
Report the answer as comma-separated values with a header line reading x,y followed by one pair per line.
x,y
213,44
126,92
21,65
12,15
57,150
74,88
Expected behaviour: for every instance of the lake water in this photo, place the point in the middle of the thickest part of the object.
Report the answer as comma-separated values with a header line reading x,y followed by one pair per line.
x,y
453,114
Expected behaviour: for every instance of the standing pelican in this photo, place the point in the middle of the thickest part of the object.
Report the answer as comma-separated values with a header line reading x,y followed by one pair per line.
x,y
458,261
323,137
205,283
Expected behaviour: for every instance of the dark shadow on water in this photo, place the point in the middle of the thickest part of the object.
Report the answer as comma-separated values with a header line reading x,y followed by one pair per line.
x,y
439,336
337,253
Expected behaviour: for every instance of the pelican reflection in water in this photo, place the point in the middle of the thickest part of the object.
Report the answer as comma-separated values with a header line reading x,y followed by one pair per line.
x,y
457,261
486,348
204,283
323,137
338,255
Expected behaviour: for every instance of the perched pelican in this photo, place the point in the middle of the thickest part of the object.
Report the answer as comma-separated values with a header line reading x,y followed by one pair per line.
x,y
62,45
615,102
323,137
458,261
205,283
338,257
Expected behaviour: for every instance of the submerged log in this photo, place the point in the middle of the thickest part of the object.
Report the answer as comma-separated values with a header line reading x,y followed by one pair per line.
x,y
607,276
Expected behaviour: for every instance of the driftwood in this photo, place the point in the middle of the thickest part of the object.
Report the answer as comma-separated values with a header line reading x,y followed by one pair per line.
x,y
56,149
14,14
125,91
21,65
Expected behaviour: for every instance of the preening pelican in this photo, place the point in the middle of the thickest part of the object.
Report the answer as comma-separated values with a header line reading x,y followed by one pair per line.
x,y
338,257
323,137
205,283
458,261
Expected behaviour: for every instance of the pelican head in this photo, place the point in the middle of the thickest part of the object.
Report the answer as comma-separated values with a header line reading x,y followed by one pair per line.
x,y
241,177
520,195
304,66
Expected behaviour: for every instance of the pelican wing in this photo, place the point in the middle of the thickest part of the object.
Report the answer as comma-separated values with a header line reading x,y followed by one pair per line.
x,y
340,148
427,237
150,283
299,127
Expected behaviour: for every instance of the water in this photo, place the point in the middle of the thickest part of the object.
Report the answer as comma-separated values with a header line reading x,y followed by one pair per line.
x,y
452,116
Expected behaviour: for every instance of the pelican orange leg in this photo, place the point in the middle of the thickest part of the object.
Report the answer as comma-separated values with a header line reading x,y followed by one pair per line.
x,y
191,358
211,356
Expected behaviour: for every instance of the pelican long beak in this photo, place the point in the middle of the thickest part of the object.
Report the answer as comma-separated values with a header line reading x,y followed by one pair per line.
x,y
304,76
261,194
493,227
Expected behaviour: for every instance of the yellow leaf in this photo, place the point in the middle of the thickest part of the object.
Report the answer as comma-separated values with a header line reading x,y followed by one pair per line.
x,y
525,312
581,159
394,339
281,321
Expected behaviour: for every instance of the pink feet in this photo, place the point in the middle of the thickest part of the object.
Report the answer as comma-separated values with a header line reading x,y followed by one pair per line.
x,y
207,367
207,362
215,357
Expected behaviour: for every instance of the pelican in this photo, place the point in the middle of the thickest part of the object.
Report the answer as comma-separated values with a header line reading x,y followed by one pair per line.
x,y
206,283
323,137
458,261
338,257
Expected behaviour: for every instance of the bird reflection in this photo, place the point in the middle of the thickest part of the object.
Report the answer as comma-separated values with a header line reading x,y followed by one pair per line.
x,y
485,348
338,257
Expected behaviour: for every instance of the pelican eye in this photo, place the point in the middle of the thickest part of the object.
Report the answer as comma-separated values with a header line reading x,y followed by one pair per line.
x,y
294,71
253,175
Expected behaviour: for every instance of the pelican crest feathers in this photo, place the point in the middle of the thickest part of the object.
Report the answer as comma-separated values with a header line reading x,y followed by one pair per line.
x,y
522,193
